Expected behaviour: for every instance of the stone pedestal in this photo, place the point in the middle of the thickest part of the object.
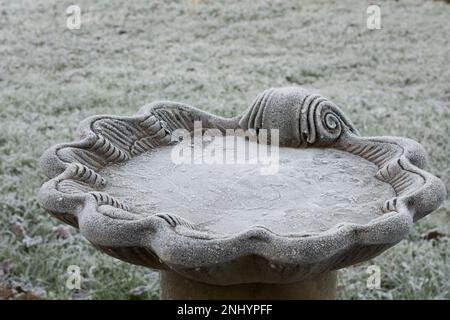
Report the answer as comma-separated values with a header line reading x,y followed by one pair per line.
x,y
174,287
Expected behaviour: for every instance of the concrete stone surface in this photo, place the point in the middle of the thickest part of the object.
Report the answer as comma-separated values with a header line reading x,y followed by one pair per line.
x,y
176,287
85,191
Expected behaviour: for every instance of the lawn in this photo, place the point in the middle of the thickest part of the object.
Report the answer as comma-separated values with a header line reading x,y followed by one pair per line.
x,y
215,55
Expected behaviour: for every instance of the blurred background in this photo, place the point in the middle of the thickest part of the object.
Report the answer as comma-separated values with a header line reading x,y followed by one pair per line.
x,y
215,55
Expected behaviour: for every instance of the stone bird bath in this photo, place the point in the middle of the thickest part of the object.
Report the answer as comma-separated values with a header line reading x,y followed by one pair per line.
x,y
226,230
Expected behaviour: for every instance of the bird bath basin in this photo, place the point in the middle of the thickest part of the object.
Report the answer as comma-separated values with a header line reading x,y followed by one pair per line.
x,y
312,191
264,205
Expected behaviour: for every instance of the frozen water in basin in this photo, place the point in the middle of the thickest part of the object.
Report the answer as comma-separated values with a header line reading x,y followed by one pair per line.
x,y
314,189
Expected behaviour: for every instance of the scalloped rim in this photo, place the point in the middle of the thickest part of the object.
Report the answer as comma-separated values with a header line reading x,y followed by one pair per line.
x,y
161,243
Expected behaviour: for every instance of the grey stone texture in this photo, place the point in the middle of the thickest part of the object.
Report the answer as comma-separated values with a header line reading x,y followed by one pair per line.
x,y
75,193
175,287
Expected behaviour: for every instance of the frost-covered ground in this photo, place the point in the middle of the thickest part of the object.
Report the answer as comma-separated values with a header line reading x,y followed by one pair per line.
x,y
393,81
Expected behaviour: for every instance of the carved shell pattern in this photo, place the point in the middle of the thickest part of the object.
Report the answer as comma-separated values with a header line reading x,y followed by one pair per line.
x,y
305,120
314,120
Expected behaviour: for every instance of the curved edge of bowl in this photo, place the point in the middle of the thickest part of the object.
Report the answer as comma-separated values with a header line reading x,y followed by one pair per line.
x,y
165,241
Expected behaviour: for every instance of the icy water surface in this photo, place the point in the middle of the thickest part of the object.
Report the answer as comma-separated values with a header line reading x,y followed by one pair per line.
x,y
313,190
